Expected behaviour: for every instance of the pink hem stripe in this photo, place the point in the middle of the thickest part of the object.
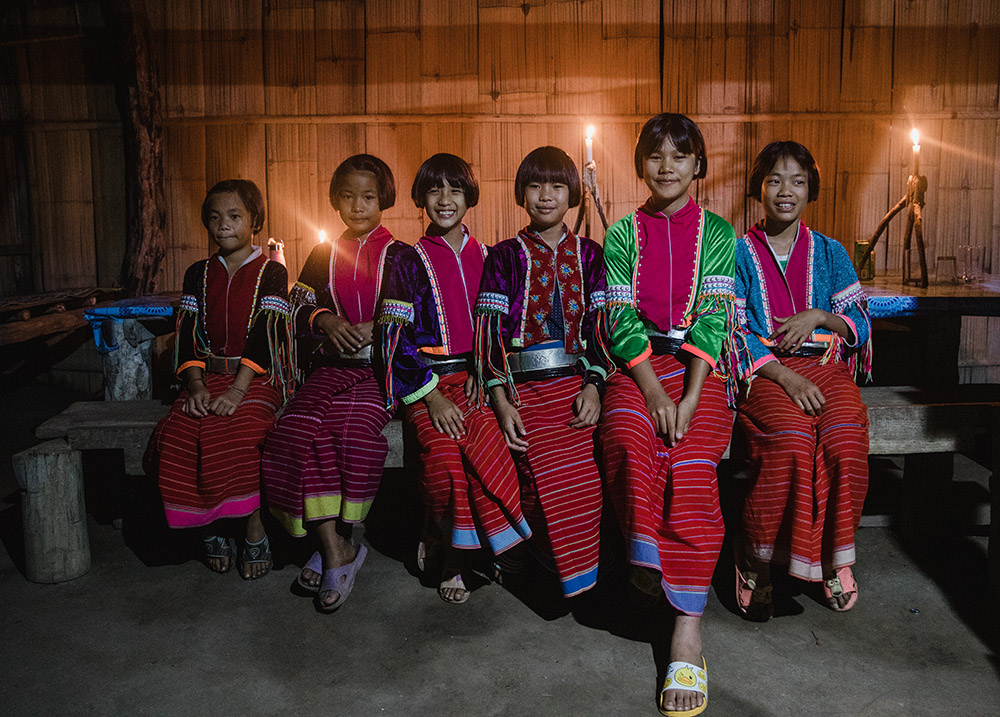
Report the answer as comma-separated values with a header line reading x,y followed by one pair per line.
x,y
231,509
760,362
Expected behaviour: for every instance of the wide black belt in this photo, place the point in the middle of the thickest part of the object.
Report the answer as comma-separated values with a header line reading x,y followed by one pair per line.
x,y
446,365
666,344
359,359
222,364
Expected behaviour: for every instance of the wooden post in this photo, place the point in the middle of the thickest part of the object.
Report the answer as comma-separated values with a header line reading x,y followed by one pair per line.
x,y
56,547
138,94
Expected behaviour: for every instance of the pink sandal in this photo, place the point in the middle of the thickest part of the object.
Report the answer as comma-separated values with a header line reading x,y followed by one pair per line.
x,y
756,602
842,583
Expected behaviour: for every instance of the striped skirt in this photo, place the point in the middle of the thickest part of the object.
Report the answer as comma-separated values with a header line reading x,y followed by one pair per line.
x,y
562,482
469,484
809,475
209,468
324,458
667,499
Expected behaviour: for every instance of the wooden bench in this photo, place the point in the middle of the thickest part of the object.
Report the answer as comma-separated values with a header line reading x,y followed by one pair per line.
x,y
925,427
51,477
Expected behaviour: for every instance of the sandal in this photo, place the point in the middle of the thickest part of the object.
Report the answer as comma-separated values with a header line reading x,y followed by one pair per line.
x,y
259,552
315,564
754,600
455,583
218,547
842,583
340,580
646,586
685,677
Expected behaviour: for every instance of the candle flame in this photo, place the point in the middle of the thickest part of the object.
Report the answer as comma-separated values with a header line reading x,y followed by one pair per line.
x,y
590,131
915,136
322,235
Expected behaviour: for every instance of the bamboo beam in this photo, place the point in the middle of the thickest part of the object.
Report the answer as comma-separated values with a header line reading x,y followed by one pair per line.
x,y
138,94
390,119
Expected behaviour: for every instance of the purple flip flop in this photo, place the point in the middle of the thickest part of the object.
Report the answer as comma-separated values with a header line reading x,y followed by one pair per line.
x,y
340,580
316,565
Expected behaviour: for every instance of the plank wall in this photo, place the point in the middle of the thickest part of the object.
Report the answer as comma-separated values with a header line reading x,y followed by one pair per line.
x,y
279,91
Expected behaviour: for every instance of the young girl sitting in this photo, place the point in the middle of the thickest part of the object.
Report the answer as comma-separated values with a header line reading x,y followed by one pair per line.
x,y
806,323
468,479
666,421
541,299
232,355
323,461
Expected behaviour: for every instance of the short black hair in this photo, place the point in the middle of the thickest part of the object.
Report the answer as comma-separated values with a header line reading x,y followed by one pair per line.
x,y
769,157
548,164
385,183
682,132
441,168
248,193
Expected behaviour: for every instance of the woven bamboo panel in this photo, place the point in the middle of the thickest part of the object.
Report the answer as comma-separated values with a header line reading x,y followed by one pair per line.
x,y
233,58
63,210
340,56
183,191
290,58
177,30
292,200
107,158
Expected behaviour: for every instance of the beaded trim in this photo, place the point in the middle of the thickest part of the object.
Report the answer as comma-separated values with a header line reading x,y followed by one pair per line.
x,y
492,303
396,312
189,303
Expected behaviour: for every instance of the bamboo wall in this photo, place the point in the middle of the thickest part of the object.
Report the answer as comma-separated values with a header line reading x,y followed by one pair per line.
x,y
280,91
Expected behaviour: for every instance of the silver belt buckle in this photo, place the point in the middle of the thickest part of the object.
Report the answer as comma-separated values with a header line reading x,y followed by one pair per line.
x,y
364,354
526,361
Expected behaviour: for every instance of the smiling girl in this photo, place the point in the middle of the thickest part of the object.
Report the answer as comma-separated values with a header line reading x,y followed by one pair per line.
x,y
233,358
539,320
666,419
806,323
468,480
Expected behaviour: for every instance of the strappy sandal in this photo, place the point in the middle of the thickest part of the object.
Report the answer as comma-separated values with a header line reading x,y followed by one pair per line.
x,y
255,553
458,584
216,548
842,583
647,590
341,581
755,601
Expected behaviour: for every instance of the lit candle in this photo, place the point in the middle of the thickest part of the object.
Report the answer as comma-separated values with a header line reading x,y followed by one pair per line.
x,y
322,236
590,144
915,136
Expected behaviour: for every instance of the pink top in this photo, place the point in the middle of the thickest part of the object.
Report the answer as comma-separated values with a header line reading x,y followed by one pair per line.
x,y
455,283
668,264
355,275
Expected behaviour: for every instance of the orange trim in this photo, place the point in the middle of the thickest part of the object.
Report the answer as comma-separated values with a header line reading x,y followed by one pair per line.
x,y
815,338
257,369
188,364
433,350
641,357
695,351
314,314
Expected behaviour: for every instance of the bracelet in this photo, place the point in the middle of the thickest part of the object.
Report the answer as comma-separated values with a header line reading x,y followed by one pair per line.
x,y
241,391
597,382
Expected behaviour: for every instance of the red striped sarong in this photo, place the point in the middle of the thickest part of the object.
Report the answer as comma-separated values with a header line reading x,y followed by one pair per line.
x,y
563,483
209,468
470,484
809,475
667,499
324,458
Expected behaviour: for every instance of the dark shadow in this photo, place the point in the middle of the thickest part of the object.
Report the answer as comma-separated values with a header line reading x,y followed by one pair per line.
x,y
12,531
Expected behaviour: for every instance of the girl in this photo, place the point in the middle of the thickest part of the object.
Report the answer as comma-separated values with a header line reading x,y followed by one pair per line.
x,y
666,422
323,461
806,323
541,298
468,477
232,354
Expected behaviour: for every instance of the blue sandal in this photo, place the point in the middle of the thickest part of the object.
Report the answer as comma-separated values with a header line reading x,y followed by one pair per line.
x,y
259,552
217,547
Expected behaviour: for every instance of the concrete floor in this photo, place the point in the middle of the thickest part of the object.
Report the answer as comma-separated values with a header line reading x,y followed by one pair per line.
x,y
149,631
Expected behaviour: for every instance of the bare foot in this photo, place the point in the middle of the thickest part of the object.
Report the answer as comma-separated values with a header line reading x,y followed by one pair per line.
x,y
840,589
684,646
